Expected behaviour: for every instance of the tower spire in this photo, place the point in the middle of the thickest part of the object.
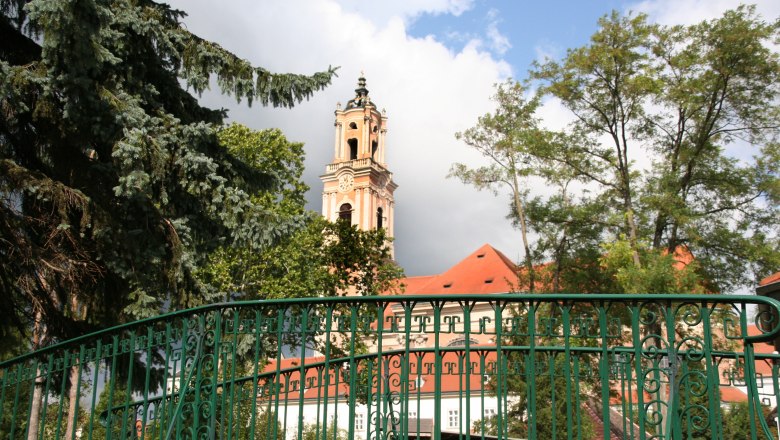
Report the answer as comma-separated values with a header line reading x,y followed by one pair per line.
x,y
361,94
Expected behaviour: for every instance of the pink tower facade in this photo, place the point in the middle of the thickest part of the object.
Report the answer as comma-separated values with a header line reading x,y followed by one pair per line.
x,y
357,186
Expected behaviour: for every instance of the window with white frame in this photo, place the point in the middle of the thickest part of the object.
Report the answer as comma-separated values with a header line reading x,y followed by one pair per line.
x,y
489,412
360,423
452,418
412,414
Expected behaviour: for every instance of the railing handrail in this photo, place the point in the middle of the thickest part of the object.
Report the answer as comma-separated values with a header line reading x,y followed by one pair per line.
x,y
475,297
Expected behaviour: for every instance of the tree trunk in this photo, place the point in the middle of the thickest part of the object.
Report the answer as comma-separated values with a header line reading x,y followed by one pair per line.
x,y
73,397
38,339
632,234
523,230
73,387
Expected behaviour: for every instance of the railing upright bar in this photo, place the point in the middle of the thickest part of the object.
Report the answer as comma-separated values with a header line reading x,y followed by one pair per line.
x,y
273,427
352,369
18,377
164,406
604,367
303,330
336,400
530,367
576,365
405,367
466,308
382,382
566,322
437,416
327,370
230,396
255,371
754,405
638,342
711,371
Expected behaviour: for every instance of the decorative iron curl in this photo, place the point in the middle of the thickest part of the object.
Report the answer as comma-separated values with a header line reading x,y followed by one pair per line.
x,y
691,313
699,421
765,320
653,384
685,345
650,316
653,414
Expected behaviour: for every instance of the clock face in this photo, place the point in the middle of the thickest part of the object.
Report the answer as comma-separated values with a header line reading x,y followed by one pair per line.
x,y
346,182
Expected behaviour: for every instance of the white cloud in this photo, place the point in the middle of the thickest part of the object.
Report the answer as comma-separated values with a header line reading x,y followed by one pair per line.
x,y
497,41
380,11
429,91
547,50
672,12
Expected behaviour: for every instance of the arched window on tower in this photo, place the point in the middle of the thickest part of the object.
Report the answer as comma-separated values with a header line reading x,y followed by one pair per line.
x,y
353,144
379,218
353,126
345,213
373,150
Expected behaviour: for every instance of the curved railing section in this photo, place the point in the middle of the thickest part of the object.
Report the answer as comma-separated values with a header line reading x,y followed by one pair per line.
x,y
439,366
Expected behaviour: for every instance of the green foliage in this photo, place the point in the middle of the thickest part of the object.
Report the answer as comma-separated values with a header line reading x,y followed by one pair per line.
x,y
314,432
661,272
736,420
116,184
552,402
697,101
111,416
269,152
321,259
507,138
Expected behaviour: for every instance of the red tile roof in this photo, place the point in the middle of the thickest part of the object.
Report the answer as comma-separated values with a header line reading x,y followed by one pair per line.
x,y
486,270
774,278
732,395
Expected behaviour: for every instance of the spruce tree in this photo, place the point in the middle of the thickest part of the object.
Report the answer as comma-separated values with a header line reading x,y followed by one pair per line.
x,y
114,185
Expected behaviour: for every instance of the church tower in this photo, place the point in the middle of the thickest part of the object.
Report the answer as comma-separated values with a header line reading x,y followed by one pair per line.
x,y
357,185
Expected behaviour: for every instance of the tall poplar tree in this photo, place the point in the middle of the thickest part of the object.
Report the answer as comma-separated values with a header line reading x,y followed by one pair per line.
x,y
506,138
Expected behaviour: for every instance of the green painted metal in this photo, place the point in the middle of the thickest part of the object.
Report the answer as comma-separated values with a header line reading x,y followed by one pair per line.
x,y
441,366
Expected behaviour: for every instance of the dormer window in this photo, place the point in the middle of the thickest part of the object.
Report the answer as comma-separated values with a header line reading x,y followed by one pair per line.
x,y
489,281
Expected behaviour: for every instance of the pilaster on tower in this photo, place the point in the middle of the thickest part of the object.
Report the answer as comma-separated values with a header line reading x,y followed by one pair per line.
x,y
357,185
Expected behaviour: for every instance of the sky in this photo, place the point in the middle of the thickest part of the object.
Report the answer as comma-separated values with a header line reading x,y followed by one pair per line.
x,y
432,65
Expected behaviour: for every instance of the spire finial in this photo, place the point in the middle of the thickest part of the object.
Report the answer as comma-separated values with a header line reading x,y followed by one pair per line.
x,y
361,93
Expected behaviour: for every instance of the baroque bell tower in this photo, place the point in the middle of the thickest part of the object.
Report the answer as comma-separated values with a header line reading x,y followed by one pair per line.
x,y
357,186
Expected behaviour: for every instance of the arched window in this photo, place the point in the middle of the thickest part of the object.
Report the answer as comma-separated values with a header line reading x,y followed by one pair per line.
x,y
461,342
373,150
379,213
353,126
345,213
352,148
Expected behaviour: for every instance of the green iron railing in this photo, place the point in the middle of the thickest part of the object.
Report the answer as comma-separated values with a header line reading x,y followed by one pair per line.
x,y
438,366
